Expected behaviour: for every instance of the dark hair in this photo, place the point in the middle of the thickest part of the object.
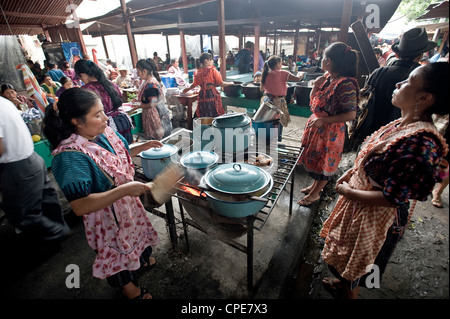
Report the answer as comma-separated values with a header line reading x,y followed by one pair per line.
x,y
344,58
150,66
269,65
91,69
65,65
64,79
7,86
51,64
378,51
73,103
436,81
204,56
173,60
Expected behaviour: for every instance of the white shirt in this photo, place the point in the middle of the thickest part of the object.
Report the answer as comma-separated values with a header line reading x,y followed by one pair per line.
x,y
14,134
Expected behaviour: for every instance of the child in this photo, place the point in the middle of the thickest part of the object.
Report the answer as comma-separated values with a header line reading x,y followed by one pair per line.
x,y
274,85
66,83
207,77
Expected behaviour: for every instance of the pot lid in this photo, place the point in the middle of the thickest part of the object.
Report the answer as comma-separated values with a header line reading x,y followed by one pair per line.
x,y
232,120
166,150
199,159
237,178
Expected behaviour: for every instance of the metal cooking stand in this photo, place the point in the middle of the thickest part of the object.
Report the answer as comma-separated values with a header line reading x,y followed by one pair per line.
x,y
287,161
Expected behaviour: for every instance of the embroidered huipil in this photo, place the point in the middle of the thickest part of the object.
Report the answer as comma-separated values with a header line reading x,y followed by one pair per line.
x,y
324,145
355,232
118,233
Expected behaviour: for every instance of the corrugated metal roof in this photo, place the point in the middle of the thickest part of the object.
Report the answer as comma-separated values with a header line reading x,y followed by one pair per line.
x,y
29,16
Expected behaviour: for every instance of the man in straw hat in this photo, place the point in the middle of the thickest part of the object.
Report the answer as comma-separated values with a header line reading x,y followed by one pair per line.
x,y
408,51
123,80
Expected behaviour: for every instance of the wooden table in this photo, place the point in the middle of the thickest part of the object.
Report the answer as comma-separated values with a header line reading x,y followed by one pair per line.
x,y
188,101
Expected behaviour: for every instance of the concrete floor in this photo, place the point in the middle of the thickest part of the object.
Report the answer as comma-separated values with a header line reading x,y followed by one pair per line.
x,y
214,270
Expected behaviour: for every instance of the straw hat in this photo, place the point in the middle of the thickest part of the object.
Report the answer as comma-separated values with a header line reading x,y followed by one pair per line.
x,y
122,68
413,43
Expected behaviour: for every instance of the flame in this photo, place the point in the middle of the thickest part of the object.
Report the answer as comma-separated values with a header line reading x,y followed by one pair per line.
x,y
193,191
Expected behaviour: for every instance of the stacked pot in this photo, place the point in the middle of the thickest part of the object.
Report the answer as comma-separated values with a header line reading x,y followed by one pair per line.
x,y
237,189
266,122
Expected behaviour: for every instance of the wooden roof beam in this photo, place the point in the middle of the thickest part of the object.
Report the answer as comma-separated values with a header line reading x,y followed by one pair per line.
x,y
156,9
169,6
33,15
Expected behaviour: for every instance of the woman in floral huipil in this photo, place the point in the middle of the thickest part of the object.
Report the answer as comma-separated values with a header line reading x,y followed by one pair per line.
x,y
92,165
334,99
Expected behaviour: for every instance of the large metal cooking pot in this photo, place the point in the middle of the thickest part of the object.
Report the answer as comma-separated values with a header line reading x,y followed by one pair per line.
x,y
232,132
196,164
302,92
237,178
267,131
233,90
203,134
251,90
155,159
239,205
267,112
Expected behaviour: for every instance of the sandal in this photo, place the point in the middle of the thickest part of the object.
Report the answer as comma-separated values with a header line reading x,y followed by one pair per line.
x,y
437,202
152,264
307,202
333,286
142,294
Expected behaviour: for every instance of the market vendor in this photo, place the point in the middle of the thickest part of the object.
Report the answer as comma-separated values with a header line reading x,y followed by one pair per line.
x,y
20,101
176,71
50,86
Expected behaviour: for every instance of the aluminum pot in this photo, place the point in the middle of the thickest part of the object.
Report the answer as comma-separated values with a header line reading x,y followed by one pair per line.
x,y
267,112
232,132
155,160
203,134
239,205
196,164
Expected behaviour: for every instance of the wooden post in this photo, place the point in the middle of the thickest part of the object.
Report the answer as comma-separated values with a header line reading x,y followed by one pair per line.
x,y
240,40
104,47
274,42
444,39
345,21
168,47
256,49
183,52
222,53
295,45
130,36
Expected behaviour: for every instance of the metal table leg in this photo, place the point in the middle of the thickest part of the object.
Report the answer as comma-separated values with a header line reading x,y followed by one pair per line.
x,y
291,192
171,221
184,225
250,221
